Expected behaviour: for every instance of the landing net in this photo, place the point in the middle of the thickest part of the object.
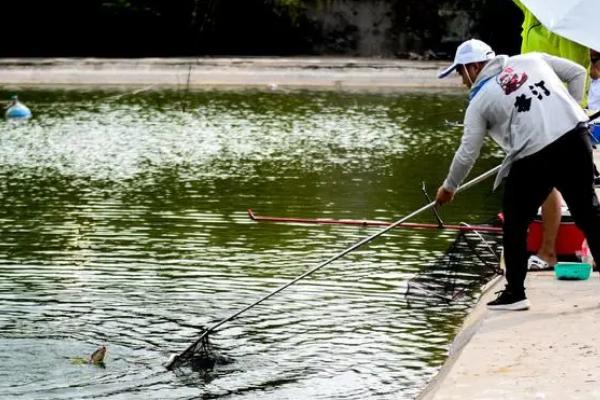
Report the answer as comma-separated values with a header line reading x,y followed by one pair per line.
x,y
201,356
470,262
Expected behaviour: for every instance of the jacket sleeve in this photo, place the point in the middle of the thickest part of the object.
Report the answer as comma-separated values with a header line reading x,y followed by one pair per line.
x,y
571,73
468,152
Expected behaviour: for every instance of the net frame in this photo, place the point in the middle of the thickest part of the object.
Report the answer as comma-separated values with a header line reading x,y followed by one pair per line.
x,y
470,261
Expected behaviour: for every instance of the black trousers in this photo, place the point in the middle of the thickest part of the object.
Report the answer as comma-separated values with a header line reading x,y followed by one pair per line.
x,y
565,164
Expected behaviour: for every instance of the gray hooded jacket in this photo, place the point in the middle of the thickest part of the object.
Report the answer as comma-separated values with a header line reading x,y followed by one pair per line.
x,y
523,104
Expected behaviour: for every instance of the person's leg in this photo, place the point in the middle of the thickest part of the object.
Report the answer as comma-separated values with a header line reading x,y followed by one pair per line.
x,y
551,216
526,188
576,183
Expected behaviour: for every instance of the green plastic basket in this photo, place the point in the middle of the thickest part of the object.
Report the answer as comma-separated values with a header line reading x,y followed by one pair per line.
x,y
572,270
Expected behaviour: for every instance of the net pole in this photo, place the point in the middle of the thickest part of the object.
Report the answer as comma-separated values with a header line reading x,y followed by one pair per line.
x,y
175,360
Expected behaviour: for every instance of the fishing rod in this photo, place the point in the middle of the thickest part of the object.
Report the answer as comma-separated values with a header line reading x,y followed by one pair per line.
x,y
202,340
366,223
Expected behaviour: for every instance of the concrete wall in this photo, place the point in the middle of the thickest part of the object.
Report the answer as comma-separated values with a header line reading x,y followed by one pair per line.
x,y
355,27
164,28
410,28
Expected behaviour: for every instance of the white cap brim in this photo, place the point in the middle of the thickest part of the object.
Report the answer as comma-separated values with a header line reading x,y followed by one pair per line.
x,y
447,71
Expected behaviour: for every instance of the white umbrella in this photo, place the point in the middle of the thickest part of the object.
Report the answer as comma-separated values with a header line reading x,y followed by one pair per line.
x,y
574,19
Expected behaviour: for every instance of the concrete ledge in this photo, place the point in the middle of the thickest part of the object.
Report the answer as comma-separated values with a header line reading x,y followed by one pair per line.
x,y
469,328
551,351
199,73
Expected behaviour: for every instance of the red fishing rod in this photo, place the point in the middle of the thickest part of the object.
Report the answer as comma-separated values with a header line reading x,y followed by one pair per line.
x,y
365,223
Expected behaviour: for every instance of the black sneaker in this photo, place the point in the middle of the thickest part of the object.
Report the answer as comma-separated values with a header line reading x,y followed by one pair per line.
x,y
508,300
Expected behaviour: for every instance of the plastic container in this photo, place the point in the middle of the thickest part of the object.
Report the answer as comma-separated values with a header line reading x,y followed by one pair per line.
x,y
595,133
572,271
568,239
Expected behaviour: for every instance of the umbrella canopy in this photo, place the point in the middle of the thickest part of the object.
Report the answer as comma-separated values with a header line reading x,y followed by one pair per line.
x,y
573,19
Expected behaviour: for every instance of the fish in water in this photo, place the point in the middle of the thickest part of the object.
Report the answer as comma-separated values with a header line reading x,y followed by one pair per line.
x,y
97,357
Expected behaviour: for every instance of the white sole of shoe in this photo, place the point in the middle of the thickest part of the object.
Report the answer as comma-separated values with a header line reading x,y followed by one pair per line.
x,y
534,263
518,306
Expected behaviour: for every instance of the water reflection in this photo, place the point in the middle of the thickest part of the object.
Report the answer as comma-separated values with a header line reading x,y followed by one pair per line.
x,y
124,223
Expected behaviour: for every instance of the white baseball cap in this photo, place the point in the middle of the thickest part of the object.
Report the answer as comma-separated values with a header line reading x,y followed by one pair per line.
x,y
468,52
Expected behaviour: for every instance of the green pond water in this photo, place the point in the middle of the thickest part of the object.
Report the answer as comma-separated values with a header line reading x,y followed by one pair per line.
x,y
123,223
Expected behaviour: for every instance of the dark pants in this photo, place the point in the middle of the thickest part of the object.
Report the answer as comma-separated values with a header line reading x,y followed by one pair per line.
x,y
567,165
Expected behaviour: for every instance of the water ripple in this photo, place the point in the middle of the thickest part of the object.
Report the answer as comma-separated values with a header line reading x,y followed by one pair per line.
x,y
123,223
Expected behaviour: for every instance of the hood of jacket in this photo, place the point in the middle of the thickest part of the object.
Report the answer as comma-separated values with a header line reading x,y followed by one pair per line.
x,y
490,70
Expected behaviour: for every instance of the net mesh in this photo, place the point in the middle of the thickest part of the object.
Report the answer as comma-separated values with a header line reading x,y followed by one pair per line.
x,y
470,262
201,356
